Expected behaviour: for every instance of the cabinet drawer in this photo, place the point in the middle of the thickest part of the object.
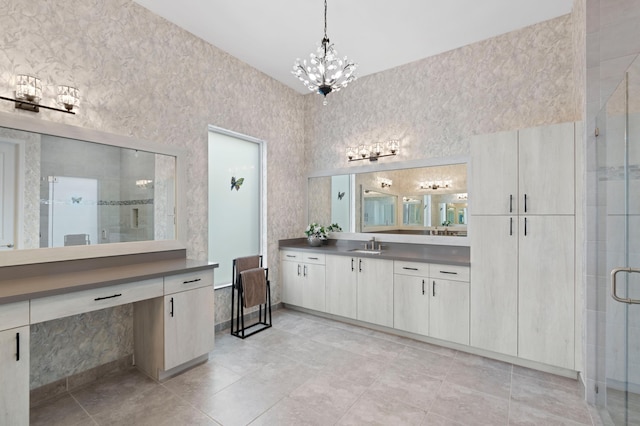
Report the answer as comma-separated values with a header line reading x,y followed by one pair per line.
x,y
449,272
315,258
411,268
188,281
64,305
14,315
293,256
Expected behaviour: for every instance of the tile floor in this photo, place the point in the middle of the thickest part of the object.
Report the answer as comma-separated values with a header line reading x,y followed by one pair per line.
x,y
310,370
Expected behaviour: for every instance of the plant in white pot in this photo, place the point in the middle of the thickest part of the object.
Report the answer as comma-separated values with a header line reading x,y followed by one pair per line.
x,y
316,234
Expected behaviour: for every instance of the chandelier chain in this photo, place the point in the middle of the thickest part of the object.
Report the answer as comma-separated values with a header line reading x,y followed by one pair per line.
x,y
325,18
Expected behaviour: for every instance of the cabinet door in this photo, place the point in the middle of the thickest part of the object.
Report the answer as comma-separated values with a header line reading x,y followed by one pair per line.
x,y
375,291
449,311
341,285
188,326
546,290
313,293
292,282
546,163
411,304
14,376
494,288
494,173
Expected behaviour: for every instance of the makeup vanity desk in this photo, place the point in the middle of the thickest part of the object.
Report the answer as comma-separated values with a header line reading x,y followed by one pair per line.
x,y
173,312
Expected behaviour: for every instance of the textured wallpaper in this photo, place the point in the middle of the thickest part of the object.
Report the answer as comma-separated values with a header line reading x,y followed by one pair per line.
x,y
141,76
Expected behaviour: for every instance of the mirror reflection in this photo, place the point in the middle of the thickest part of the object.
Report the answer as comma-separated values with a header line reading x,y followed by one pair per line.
x,y
423,200
85,193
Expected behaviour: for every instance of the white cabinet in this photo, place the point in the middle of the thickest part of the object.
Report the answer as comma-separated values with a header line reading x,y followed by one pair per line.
x,y
177,328
360,288
375,291
303,278
14,364
546,293
411,303
523,243
188,326
341,286
494,291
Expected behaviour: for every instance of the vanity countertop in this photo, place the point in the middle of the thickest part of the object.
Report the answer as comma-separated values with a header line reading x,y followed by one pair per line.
x,y
47,280
426,253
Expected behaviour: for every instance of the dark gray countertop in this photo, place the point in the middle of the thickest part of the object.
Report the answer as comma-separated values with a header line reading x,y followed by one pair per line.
x,y
16,289
427,253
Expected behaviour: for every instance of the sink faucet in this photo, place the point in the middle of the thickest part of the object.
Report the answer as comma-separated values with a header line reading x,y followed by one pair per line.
x,y
373,244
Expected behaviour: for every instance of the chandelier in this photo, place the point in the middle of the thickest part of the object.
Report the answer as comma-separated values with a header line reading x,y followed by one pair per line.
x,y
325,72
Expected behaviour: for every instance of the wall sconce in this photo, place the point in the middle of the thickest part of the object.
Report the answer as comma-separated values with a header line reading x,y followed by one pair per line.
x,y
29,93
385,183
436,184
373,152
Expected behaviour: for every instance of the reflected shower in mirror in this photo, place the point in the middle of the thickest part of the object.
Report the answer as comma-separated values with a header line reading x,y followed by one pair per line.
x,y
85,193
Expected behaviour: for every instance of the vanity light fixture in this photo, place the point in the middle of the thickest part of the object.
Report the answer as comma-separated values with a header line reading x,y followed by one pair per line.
x,y
385,183
373,152
29,93
438,184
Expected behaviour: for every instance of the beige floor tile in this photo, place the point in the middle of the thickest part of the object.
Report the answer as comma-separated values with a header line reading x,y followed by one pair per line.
x,y
373,409
437,420
468,406
62,410
158,407
202,382
291,412
245,360
521,415
550,398
406,386
482,377
424,362
242,402
107,392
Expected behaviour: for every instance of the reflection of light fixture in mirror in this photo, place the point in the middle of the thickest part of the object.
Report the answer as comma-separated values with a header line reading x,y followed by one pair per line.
x,y
68,97
144,183
463,196
373,152
385,183
435,184
29,93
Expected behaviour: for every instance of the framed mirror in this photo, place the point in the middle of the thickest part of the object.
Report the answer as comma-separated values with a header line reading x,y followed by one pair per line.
x,y
425,201
78,193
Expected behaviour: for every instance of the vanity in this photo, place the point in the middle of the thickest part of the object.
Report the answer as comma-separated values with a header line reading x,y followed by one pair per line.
x,y
99,226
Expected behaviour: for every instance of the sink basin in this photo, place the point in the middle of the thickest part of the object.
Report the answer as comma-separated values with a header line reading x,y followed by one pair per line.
x,y
365,251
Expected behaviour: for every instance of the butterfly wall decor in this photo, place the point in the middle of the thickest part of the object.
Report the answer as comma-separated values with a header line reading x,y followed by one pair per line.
x,y
340,195
76,200
236,183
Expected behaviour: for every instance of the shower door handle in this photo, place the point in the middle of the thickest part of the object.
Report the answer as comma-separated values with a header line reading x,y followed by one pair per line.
x,y
614,294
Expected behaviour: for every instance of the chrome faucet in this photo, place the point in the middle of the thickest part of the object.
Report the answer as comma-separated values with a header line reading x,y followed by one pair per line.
x,y
373,244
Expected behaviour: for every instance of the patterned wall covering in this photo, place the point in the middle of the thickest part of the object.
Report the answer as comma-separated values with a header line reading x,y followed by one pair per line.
x,y
142,76
521,79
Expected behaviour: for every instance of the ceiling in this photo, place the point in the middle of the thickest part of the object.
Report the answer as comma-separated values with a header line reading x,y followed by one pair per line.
x,y
376,34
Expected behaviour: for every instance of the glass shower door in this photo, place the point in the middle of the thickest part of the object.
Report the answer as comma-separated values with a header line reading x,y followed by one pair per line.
x,y
619,183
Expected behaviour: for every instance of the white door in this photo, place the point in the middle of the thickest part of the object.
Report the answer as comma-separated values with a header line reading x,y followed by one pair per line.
x,y
7,195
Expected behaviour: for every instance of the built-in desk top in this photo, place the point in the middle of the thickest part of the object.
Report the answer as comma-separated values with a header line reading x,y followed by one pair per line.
x,y
18,283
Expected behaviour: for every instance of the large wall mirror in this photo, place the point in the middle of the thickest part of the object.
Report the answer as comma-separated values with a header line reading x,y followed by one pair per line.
x,y
426,203
71,193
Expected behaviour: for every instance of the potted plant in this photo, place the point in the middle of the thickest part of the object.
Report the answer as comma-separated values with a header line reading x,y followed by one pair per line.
x,y
316,234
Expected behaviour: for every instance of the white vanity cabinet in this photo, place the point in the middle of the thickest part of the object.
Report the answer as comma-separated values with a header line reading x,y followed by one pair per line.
x,y
303,279
375,291
14,364
177,328
411,289
342,285
523,243
449,303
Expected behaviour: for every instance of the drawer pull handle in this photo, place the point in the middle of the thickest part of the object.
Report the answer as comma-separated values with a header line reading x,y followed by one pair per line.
x,y
433,289
313,258
17,346
422,286
107,297
291,255
192,281
448,272
409,269
171,312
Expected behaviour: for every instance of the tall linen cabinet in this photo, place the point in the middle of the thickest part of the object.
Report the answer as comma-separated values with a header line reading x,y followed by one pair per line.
x,y
523,243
